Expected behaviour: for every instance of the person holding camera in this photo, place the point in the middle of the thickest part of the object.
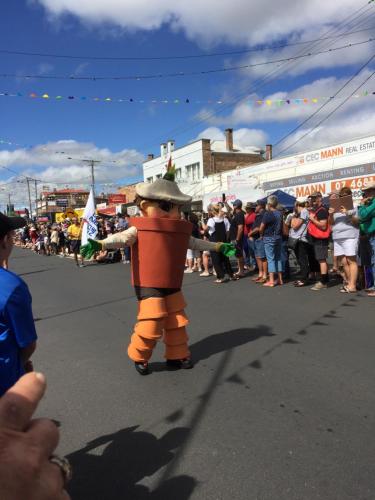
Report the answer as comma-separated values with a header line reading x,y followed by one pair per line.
x,y
218,228
298,241
366,214
236,234
345,236
319,232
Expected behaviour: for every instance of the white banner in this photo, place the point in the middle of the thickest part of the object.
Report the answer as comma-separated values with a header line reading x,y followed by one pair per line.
x,y
90,226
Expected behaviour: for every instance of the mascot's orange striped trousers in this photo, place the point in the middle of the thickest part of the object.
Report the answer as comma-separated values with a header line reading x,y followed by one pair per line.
x,y
160,317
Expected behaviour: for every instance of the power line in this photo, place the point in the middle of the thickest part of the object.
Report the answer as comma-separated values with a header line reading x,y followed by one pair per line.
x,y
271,76
185,73
329,114
170,57
325,104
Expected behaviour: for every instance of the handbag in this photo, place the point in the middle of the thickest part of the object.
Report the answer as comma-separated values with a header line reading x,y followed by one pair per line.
x,y
318,233
293,242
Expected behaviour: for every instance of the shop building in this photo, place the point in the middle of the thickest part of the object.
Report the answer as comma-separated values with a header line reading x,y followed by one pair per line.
x,y
328,169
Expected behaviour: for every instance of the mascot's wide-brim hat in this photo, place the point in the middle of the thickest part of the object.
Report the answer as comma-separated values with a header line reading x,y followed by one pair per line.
x,y
163,189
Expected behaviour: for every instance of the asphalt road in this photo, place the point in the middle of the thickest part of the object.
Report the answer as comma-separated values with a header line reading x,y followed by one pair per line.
x,y
280,404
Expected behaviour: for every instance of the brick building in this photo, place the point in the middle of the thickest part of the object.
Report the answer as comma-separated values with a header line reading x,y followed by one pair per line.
x,y
58,200
200,158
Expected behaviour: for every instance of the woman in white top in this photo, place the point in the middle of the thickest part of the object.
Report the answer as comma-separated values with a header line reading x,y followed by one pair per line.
x,y
302,249
218,228
345,236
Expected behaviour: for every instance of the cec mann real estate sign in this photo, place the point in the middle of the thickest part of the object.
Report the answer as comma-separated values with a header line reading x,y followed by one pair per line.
x,y
351,164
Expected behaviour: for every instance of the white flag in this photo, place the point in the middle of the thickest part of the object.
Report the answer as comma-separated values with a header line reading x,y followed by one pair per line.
x,y
90,226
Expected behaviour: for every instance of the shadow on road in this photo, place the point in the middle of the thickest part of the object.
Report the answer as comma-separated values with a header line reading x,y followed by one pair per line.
x,y
38,271
128,457
224,341
221,342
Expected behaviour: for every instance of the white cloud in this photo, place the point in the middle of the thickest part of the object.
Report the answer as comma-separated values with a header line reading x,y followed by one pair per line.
x,y
80,69
44,68
355,118
326,54
351,126
50,163
245,138
209,22
249,111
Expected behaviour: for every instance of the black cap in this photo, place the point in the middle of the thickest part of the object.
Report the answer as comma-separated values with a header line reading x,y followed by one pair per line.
x,y
261,203
250,205
317,194
10,223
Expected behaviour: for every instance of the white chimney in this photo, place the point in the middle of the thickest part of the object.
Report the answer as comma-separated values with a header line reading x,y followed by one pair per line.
x,y
163,149
229,139
170,146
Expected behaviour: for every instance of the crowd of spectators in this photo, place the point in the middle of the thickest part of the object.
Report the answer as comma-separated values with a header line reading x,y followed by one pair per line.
x,y
323,241
63,239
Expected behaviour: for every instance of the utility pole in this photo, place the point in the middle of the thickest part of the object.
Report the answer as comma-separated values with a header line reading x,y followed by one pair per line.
x,y
36,197
92,164
28,190
9,202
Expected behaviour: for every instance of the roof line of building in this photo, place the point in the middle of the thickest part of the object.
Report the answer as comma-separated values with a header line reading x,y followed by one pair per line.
x,y
322,147
176,149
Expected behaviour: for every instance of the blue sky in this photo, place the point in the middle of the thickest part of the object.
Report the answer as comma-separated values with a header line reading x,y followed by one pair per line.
x,y
121,134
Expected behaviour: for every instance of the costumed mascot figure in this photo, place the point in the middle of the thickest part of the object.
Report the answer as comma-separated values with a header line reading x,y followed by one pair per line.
x,y
158,240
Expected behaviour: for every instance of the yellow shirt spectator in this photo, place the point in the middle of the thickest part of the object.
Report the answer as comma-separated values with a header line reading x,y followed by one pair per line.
x,y
75,232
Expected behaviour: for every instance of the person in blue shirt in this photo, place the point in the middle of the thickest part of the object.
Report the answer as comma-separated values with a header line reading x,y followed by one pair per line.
x,y
17,329
271,231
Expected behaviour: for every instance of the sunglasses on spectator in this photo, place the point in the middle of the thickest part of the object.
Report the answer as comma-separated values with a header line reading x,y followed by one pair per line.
x,y
166,206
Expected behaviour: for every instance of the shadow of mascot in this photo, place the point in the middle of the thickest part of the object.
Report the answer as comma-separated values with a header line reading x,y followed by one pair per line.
x,y
128,457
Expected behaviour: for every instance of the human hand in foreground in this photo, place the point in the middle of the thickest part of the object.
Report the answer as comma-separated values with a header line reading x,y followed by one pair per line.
x,y
26,445
88,250
227,249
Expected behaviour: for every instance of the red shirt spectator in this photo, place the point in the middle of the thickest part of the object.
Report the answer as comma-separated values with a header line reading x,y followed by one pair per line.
x,y
249,218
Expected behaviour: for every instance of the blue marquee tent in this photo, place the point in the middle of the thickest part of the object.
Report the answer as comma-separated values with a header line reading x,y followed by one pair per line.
x,y
285,199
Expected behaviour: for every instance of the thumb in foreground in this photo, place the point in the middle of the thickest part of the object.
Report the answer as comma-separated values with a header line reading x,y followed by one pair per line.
x,y
19,403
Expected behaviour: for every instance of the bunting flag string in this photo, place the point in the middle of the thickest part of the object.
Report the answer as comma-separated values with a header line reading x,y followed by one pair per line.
x,y
185,100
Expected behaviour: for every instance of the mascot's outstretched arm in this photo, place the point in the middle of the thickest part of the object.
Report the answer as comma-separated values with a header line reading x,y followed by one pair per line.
x,y
226,249
126,238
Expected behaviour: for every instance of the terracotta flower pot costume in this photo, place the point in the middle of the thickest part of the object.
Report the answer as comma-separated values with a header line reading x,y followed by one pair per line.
x,y
157,261
159,241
